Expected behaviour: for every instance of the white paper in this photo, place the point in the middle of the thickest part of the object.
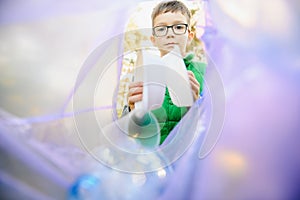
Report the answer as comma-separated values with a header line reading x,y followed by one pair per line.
x,y
157,73
177,80
153,75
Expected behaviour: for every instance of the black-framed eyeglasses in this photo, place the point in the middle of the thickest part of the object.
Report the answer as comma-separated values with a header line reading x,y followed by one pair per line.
x,y
178,29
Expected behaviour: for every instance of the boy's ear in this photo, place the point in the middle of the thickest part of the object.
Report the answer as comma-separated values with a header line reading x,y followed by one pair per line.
x,y
152,38
191,35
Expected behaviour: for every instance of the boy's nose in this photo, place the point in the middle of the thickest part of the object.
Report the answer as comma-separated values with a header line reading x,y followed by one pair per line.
x,y
170,32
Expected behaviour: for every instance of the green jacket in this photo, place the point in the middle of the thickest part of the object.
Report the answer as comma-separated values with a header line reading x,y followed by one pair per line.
x,y
168,115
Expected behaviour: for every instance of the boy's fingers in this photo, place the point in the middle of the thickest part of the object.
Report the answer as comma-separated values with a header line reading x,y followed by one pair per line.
x,y
194,82
135,91
190,73
134,99
195,86
192,77
135,84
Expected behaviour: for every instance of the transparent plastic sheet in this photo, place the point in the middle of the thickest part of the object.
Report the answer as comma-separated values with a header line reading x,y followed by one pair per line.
x,y
28,167
120,155
50,139
50,154
149,175
40,157
64,168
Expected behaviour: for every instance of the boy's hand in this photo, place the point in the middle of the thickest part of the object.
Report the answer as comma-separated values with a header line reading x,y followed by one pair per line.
x,y
135,93
194,85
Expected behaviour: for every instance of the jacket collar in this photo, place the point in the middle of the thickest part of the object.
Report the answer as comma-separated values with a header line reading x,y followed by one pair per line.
x,y
188,58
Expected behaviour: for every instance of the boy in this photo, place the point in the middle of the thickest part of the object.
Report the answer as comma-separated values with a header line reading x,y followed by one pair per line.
x,y
170,25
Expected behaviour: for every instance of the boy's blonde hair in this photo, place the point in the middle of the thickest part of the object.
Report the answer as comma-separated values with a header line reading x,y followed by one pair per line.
x,y
171,6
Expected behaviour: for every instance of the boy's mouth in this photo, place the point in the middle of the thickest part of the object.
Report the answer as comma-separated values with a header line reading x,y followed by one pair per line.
x,y
171,44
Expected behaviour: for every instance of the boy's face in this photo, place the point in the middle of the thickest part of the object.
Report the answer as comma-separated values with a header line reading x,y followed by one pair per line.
x,y
166,43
